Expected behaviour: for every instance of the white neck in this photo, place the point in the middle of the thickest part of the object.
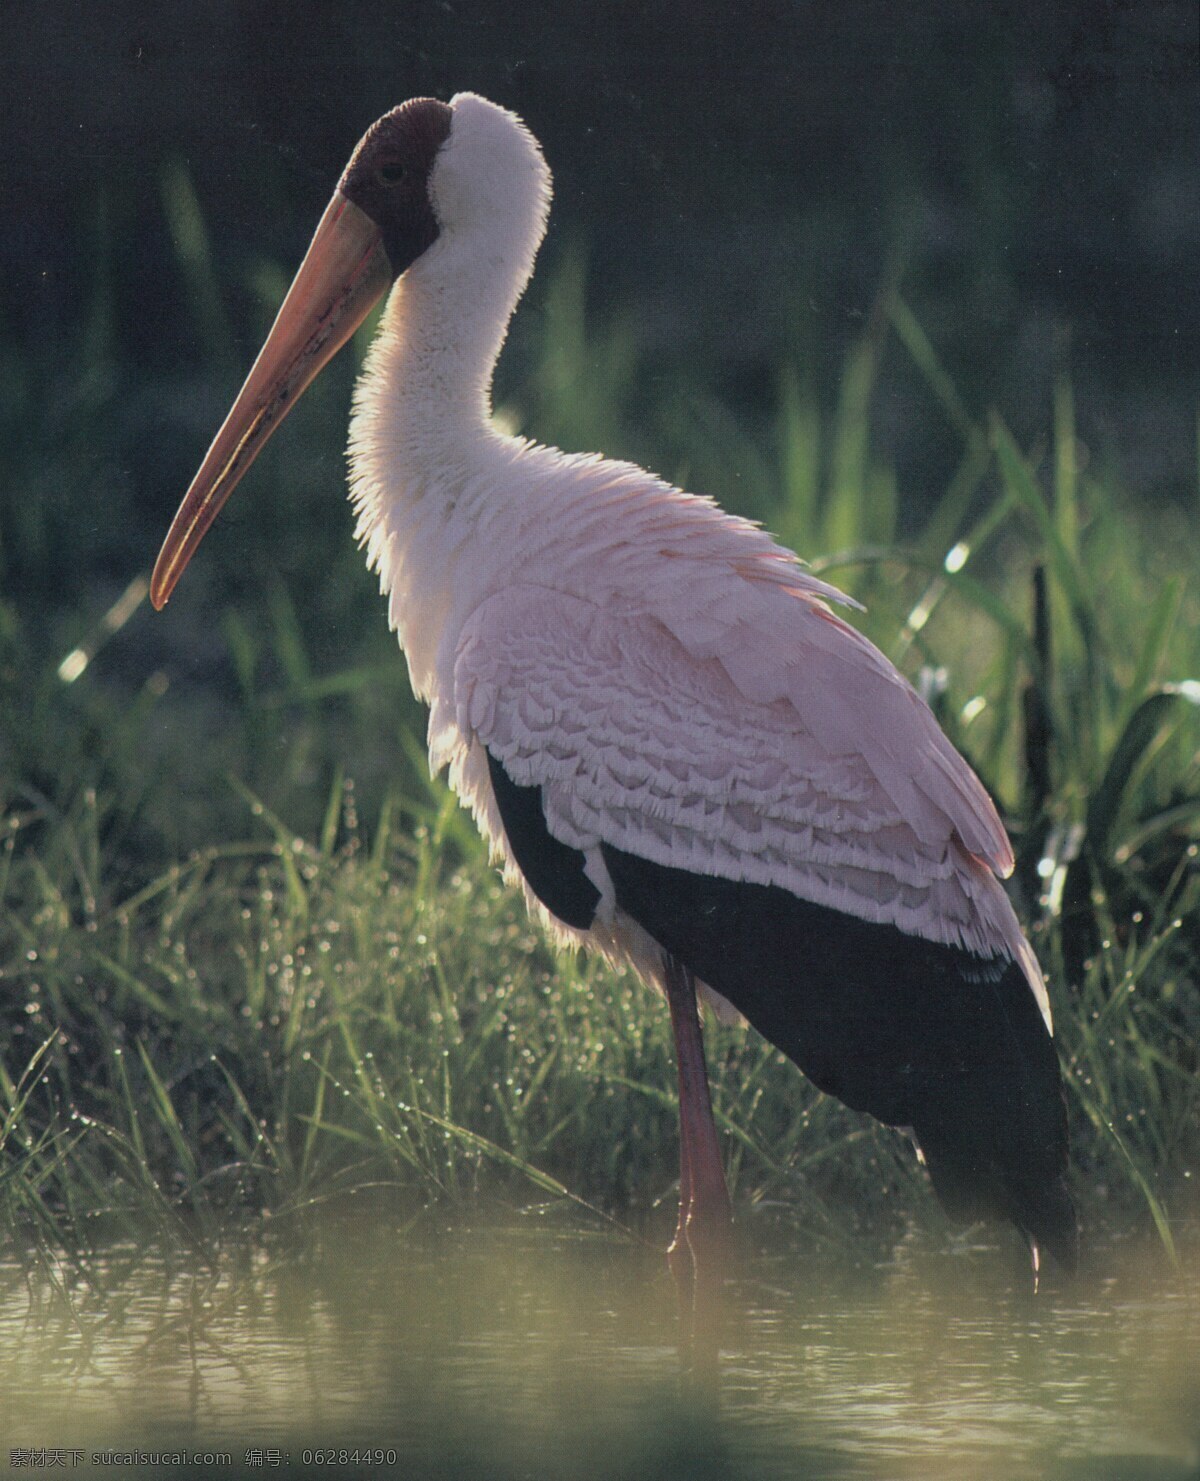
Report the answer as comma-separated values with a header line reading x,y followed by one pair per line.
x,y
422,408
428,378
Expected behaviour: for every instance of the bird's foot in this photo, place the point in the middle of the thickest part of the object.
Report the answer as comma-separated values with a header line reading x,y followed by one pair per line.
x,y
699,1259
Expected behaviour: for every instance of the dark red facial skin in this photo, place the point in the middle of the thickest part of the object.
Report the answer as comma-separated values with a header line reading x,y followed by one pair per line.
x,y
388,177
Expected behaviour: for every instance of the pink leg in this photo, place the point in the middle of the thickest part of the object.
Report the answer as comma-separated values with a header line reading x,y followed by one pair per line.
x,y
699,1252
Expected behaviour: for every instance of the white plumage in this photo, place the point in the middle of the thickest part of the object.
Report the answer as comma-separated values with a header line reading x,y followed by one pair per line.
x,y
673,678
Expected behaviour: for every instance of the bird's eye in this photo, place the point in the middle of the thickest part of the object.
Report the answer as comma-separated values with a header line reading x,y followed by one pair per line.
x,y
392,174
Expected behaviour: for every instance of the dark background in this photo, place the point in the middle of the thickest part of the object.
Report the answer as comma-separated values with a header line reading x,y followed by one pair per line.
x,y
741,181
739,173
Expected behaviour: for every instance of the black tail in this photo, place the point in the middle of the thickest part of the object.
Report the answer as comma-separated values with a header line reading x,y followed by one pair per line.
x,y
917,1033
978,1175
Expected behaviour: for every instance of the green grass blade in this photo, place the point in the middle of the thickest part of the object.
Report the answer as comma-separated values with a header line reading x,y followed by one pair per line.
x,y
916,342
1156,1210
1130,752
1164,613
1021,484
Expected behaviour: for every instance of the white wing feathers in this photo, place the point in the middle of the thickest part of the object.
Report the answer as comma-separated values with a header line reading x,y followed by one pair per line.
x,y
770,743
677,685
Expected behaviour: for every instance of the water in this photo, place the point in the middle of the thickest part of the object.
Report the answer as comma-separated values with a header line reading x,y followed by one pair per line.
x,y
536,1355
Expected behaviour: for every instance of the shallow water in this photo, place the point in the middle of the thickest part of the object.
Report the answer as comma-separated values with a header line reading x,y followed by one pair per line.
x,y
498,1355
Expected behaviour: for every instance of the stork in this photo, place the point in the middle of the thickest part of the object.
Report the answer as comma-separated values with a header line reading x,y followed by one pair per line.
x,y
679,751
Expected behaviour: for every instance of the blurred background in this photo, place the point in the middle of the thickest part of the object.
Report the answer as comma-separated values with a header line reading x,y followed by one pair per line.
x,y
743,194
915,284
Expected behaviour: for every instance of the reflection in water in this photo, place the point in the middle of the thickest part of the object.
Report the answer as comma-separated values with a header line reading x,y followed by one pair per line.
x,y
495,1356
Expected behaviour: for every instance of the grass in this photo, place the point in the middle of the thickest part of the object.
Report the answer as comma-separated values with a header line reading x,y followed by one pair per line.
x,y
239,984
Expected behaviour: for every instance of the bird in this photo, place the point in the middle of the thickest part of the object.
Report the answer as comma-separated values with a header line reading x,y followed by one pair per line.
x,y
671,739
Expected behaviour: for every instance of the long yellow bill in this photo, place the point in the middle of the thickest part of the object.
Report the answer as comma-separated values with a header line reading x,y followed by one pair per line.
x,y
344,273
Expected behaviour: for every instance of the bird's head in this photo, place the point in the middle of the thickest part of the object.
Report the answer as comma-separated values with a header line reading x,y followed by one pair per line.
x,y
425,177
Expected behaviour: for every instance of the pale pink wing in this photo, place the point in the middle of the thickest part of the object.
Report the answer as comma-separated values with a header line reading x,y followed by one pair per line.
x,y
778,747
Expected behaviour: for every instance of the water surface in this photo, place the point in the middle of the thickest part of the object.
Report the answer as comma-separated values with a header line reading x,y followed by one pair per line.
x,y
536,1355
